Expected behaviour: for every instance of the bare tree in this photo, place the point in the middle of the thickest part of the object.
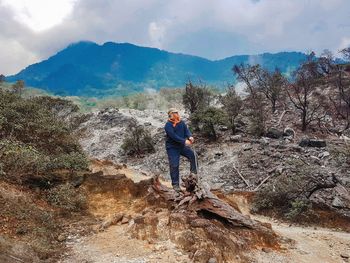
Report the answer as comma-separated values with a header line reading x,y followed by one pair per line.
x,y
247,74
271,84
254,101
302,93
346,53
340,98
232,104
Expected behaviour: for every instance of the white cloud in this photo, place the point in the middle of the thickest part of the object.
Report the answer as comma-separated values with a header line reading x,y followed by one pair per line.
x,y
39,15
345,42
35,29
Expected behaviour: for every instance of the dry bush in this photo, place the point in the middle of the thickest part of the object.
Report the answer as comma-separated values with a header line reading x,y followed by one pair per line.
x,y
138,141
66,197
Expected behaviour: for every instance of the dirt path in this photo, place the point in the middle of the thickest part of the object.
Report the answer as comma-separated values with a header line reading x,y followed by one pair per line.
x,y
114,245
311,245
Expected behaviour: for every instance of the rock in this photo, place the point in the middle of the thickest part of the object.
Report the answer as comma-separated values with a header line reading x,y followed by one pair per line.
x,y
223,128
266,250
264,141
344,255
306,142
240,123
112,220
125,220
61,238
274,133
323,155
289,132
201,255
247,147
212,260
337,202
218,154
236,138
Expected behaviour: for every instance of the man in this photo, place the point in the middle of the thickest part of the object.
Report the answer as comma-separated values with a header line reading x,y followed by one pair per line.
x,y
178,140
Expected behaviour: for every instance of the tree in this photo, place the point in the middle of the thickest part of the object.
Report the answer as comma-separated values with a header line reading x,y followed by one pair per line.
x,y
232,105
247,75
302,93
196,97
340,97
346,53
254,102
271,84
208,119
2,78
259,80
18,87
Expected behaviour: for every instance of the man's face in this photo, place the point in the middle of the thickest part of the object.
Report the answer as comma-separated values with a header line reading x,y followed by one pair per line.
x,y
174,114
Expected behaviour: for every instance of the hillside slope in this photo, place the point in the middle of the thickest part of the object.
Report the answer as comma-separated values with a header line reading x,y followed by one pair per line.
x,y
89,69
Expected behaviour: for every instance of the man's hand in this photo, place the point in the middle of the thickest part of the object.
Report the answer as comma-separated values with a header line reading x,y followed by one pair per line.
x,y
191,139
188,142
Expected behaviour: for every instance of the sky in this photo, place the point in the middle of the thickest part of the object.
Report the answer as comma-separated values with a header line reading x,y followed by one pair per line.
x,y
33,30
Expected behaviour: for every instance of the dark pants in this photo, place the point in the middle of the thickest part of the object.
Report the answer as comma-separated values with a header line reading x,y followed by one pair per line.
x,y
174,161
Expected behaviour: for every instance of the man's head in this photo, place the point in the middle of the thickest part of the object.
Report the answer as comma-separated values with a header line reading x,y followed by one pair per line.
x,y
173,112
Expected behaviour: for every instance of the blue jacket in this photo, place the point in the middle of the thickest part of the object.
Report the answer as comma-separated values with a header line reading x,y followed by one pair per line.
x,y
176,136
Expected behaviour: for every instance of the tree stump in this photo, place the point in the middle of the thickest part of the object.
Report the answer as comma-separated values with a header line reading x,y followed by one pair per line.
x,y
200,200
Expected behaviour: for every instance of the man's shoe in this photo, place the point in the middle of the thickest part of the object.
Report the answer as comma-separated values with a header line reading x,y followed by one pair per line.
x,y
177,190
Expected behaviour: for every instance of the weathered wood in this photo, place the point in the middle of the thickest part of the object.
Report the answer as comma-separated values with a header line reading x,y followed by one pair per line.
x,y
240,175
281,117
203,202
262,182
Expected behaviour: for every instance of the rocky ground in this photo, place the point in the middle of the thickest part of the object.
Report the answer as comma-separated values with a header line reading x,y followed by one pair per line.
x,y
117,237
234,163
236,166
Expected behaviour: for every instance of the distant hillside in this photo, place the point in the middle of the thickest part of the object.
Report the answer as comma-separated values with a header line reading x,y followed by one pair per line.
x,y
89,69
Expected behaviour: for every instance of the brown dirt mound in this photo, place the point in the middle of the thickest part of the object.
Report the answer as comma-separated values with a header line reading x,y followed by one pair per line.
x,y
204,229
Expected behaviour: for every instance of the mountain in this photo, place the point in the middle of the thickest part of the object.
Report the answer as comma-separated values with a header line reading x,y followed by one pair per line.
x,y
89,69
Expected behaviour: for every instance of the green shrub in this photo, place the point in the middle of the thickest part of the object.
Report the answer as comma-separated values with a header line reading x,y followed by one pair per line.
x,y
197,97
208,119
232,105
138,142
59,107
256,114
66,197
31,122
298,207
73,161
18,159
36,139
286,195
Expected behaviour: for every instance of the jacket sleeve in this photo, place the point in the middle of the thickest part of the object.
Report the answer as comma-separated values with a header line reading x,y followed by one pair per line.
x,y
188,134
169,129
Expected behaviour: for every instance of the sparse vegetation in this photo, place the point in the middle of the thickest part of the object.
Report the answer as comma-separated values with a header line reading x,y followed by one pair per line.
x,y
197,97
34,138
18,87
138,141
66,197
208,120
255,101
38,151
285,196
232,105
